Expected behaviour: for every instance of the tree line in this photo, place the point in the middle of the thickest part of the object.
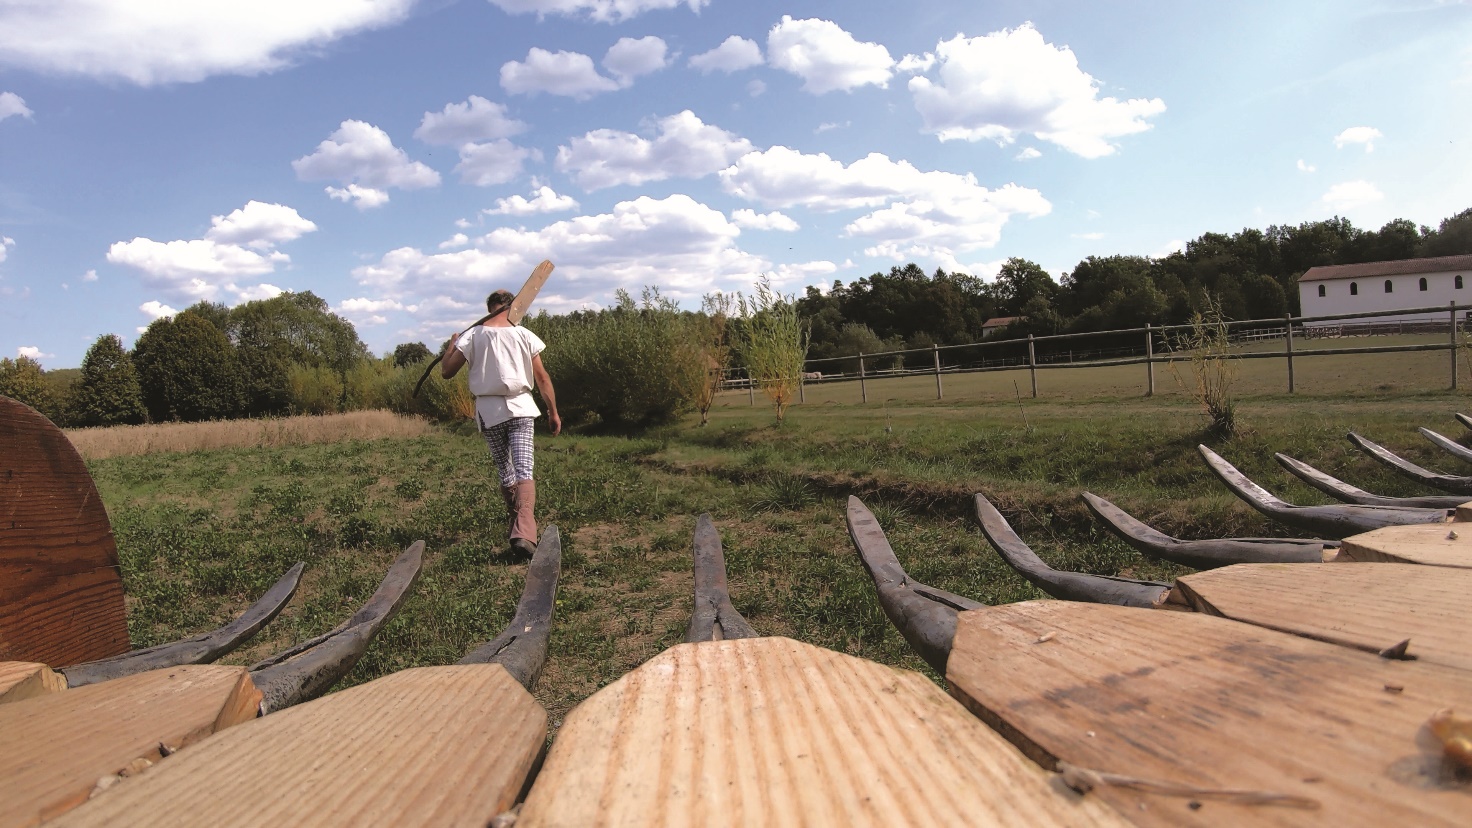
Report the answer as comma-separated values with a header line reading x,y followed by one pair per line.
x,y
1251,274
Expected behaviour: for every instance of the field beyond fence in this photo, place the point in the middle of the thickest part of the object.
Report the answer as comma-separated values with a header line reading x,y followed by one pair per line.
x,y
129,440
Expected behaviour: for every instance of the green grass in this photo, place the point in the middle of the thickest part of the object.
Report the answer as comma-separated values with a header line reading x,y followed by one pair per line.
x,y
202,534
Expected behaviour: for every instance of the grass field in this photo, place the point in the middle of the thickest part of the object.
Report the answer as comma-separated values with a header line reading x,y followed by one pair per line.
x,y
202,533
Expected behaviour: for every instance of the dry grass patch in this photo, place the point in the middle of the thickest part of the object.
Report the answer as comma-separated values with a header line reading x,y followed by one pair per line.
x,y
123,441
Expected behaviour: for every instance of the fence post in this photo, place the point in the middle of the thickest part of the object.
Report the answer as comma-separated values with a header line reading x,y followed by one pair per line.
x,y
935,349
1149,362
751,388
1452,309
802,396
1288,321
1032,365
863,387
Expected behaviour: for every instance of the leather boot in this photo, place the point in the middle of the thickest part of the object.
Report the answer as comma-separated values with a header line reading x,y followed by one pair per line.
x,y
523,518
508,493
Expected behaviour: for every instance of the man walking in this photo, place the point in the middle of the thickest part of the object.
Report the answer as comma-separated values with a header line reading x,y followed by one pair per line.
x,y
504,361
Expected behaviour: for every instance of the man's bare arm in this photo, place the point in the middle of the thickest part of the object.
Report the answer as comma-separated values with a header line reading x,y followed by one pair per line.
x,y
451,359
549,396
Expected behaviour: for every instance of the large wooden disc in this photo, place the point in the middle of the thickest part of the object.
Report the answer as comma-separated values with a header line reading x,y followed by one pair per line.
x,y
61,593
1367,607
770,731
431,746
55,748
1211,705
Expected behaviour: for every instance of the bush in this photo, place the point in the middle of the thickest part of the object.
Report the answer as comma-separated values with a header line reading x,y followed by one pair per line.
x,y
774,345
314,389
630,366
188,370
22,379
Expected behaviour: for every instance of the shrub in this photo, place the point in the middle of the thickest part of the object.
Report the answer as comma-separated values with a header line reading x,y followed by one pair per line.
x,y
314,389
22,379
774,344
188,370
1212,365
630,366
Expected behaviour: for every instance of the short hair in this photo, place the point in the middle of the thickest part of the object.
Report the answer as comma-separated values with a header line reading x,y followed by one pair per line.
x,y
499,300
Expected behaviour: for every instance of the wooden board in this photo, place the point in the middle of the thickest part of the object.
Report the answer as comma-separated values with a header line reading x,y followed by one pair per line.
x,y
769,731
1366,607
61,594
1463,513
54,749
1430,545
20,680
1190,699
428,746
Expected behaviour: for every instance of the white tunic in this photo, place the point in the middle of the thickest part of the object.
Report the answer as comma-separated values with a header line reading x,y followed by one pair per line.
x,y
499,361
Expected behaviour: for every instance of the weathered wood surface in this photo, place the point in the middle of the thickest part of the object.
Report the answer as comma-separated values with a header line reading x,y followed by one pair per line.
x,y
20,680
1431,545
54,749
1207,703
437,746
1204,554
1370,608
1447,445
1339,490
522,647
1454,483
61,593
713,617
1463,513
769,731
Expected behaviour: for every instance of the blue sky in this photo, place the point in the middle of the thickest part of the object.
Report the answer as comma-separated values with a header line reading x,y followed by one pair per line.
x,y
402,159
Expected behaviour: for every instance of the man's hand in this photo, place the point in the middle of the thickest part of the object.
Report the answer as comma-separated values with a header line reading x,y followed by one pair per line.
x,y
555,421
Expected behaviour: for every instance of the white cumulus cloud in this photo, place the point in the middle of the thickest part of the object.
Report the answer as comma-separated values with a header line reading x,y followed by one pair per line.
x,y
545,200
678,243
148,42
1011,83
89,276
364,198
1304,166
13,104
361,154
752,220
569,74
1029,153
457,240
237,247
156,309
493,162
826,57
6,243
1358,135
734,54
629,58
601,11
477,119
1351,194
32,352
684,147
915,213
259,225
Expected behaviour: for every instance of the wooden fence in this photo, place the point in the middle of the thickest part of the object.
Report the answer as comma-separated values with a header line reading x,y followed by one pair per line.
x,y
1148,346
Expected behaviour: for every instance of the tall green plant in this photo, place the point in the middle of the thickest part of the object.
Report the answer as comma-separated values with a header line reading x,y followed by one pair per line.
x,y
712,350
107,392
1212,365
774,344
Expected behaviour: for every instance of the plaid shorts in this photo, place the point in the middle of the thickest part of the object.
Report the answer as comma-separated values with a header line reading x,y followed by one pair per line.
x,y
511,447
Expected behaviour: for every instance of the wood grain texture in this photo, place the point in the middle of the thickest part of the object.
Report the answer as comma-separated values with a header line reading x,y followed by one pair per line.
x,y
769,731
61,593
1365,607
1191,699
20,680
54,749
1463,513
428,746
1430,545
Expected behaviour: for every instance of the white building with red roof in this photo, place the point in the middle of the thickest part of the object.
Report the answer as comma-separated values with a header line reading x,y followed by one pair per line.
x,y
1383,286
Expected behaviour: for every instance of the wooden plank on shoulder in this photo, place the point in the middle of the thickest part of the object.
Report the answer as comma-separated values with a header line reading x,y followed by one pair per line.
x,y
1326,735
1372,608
1429,545
61,592
427,746
55,749
769,731
21,680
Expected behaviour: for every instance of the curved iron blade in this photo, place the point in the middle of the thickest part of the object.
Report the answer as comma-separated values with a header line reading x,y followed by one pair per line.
x,y
310,668
1455,484
1339,490
1447,445
1464,420
1203,554
924,615
522,647
1337,521
1070,586
714,618
199,649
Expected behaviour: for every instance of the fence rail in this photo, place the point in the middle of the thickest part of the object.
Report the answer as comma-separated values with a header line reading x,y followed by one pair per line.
x,y
1041,353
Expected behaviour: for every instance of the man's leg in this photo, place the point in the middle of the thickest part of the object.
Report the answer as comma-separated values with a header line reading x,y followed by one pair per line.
x,y
498,440
523,521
